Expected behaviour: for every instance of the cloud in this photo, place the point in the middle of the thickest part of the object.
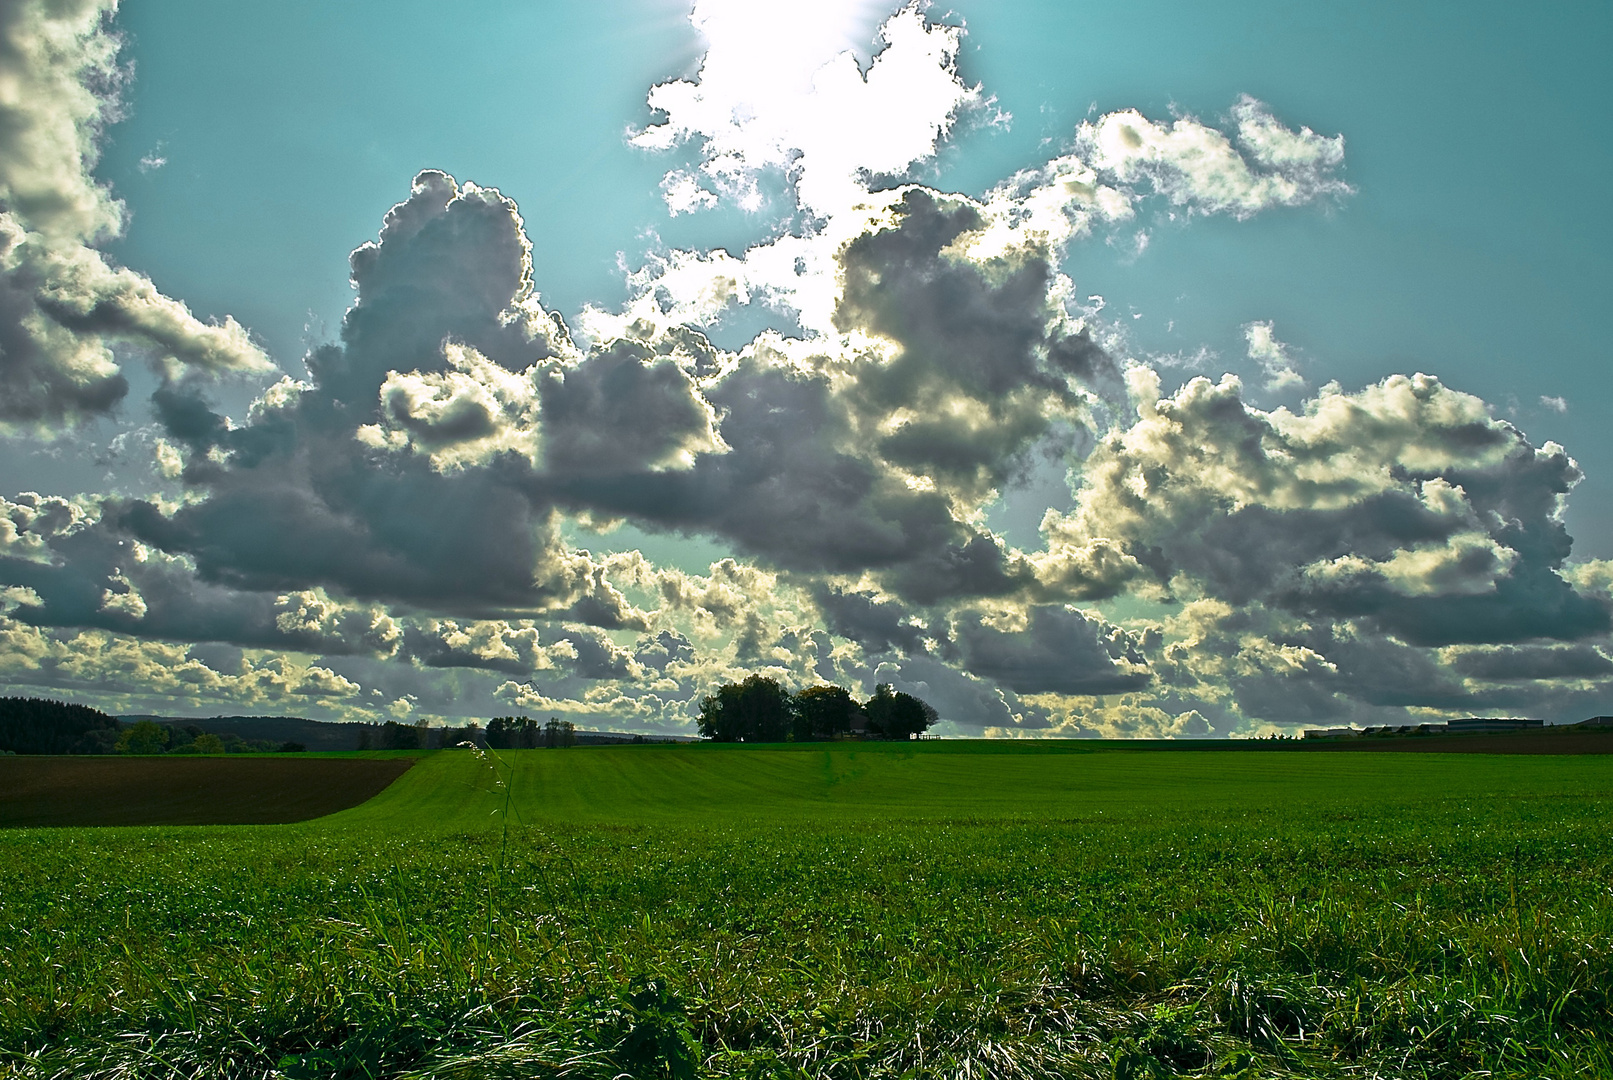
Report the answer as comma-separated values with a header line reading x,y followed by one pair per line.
x,y
466,415
1057,649
879,624
440,354
1406,504
1272,356
28,525
1199,168
62,304
1511,663
776,93
322,682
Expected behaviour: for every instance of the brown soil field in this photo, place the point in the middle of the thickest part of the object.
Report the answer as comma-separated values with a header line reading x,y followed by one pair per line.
x,y
1521,742
186,791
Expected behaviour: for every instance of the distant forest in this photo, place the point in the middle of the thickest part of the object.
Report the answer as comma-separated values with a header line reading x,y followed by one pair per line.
x,y
760,710
40,726
43,726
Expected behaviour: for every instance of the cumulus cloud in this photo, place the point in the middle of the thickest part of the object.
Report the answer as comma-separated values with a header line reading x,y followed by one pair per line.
x,y
465,415
439,357
1405,503
63,305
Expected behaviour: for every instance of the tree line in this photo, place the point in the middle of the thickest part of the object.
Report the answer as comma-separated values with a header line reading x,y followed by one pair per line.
x,y
501,733
761,710
43,726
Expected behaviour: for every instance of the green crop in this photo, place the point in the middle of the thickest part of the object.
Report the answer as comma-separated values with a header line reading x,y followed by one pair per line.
x,y
847,911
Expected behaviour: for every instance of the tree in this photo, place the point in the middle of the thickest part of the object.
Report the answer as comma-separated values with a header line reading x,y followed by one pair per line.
x,y
396,736
208,743
895,715
515,733
143,737
756,710
558,733
449,737
824,712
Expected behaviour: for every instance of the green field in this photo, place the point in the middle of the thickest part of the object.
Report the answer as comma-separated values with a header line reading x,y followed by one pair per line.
x,y
935,910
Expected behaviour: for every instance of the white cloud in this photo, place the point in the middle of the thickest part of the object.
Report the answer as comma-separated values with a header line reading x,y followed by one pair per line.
x,y
1272,356
776,92
1198,167
458,417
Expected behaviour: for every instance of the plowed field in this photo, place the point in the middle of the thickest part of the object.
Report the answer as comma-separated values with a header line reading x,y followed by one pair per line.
x,y
186,791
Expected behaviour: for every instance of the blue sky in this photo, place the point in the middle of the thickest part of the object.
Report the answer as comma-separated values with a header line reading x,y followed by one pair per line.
x,y
1456,235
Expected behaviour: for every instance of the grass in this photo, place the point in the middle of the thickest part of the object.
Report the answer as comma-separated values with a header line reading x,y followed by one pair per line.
x,y
847,912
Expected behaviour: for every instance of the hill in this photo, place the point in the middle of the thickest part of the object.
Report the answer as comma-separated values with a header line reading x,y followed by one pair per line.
x,y
314,734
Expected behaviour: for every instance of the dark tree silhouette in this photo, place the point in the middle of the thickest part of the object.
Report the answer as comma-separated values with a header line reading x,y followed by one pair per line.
x,y
41,726
756,710
760,710
825,712
396,736
513,733
895,715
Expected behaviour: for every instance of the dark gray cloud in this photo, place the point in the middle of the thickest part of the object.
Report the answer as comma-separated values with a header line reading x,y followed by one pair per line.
x,y
624,409
1060,650
788,493
1514,663
878,624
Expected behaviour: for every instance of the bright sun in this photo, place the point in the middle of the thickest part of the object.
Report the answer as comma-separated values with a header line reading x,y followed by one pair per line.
x,y
781,43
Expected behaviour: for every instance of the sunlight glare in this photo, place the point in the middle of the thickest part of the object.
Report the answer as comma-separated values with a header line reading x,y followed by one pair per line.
x,y
777,46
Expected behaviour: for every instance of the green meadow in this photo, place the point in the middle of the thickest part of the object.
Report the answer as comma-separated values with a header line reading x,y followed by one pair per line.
x,y
854,910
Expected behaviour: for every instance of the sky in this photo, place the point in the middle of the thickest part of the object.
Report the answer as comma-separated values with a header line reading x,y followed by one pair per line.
x,y
1134,370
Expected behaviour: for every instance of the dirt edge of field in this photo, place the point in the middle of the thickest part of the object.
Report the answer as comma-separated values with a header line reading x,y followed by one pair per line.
x,y
76,791
1523,742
